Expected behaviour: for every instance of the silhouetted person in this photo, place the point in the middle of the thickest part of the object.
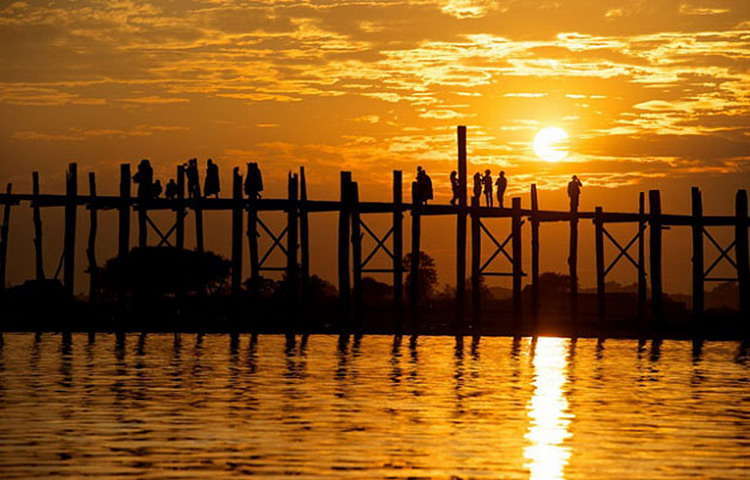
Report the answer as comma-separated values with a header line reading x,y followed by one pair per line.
x,y
501,183
193,182
574,192
424,186
253,181
156,189
455,187
144,177
487,182
212,185
171,190
477,186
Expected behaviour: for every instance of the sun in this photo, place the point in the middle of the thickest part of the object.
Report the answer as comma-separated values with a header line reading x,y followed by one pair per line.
x,y
547,144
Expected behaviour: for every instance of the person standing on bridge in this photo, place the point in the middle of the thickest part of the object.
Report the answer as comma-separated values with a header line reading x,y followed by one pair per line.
x,y
144,177
477,186
487,181
253,181
212,185
574,193
501,183
171,190
424,186
455,188
156,189
193,182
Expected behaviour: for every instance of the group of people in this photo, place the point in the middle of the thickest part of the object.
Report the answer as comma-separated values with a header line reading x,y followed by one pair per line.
x,y
148,188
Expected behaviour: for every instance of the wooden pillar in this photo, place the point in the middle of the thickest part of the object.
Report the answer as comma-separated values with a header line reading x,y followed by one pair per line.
x,y
69,236
642,288
198,210
534,253
91,247
601,294
476,254
252,240
416,240
304,232
37,215
123,244
142,223
398,242
292,238
698,266
573,265
655,254
180,217
461,233
517,242
356,251
343,246
236,231
741,252
4,233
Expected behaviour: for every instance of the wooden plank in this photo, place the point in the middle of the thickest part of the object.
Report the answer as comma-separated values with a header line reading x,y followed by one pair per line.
x,y
69,235
655,255
741,251
123,242
461,232
237,232
698,258
37,219
601,294
91,246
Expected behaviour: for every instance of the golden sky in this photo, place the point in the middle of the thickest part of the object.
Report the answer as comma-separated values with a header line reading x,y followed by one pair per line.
x,y
654,94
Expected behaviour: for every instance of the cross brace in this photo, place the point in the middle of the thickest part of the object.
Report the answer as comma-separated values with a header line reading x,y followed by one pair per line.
x,y
500,248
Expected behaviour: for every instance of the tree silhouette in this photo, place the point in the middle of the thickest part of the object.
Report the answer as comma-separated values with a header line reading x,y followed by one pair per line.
x,y
426,275
161,271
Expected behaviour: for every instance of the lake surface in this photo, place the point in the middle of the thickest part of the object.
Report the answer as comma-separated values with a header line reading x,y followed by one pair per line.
x,y
375,407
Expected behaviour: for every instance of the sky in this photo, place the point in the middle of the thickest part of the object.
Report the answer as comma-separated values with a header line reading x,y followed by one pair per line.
x,y
653,94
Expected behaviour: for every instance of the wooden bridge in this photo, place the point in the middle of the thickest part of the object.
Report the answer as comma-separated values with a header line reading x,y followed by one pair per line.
x,y
293,239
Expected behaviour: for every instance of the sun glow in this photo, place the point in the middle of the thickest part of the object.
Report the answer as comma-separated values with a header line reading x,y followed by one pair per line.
x,y
549,144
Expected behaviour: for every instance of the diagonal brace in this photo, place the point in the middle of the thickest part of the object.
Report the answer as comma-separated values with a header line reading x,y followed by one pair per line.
x,y
723,253
623,250
380,243
276,242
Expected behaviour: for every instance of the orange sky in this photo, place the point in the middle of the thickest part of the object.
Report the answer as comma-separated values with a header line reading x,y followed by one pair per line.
x,y
654,94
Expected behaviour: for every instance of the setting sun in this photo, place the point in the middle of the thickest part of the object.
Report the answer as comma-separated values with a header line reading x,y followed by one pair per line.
x,y
548,144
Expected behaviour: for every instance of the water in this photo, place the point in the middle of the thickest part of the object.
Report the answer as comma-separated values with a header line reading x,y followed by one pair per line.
x,y
205,407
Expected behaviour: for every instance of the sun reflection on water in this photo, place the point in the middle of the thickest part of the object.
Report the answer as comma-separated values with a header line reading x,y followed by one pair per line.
x,y
546,453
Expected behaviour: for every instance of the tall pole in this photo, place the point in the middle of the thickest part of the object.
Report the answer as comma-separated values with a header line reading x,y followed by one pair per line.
x,y
398,244
642,288
236,231
516,222
601,294
180,217
461,232
37,214
698,266
343,246
573,264
4,232
69,238
356,251
476,252
741,251
534,254
292,238
91,248
304,230
124,212
416,238
654,200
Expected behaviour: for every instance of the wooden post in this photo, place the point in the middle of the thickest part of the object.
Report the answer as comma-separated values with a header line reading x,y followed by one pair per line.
x,y
398,243
292,238
180,211
343,247
416,240
304,233
698,266
91,247
69,238
124,211
198,210
534,253
37,215
252,240
516,222
142,223
476,253
741,252
356,251
573,265
4,232
642,289
654,200
236,232
601,294
461,232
